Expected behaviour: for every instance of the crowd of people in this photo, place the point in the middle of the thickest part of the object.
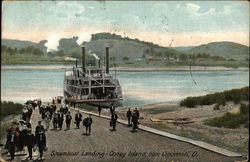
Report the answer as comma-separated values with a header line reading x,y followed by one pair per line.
x,y
20,133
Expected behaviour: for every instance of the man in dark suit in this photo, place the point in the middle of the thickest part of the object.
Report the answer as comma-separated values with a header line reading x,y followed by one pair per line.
x,y
87,122
112,109
60,120
30,141
12,143
55,120
39,128
99,110
41,143
114,118
68,120
78,119
129,115
134,121
137,113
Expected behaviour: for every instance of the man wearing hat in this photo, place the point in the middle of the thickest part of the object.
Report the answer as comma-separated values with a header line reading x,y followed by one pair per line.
x,y
30,142
39,128
87,122
41,142
78,119
60,119
68,120
12,142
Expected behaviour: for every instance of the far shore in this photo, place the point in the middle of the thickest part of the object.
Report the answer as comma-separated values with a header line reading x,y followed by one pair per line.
x,y
179,68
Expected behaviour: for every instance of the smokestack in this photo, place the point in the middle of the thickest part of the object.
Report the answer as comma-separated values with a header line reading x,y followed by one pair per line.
x,y
107,60
76,62
83,59
99,63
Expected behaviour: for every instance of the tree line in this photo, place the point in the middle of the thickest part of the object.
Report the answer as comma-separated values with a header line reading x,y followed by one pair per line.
x,y
185,57
26,50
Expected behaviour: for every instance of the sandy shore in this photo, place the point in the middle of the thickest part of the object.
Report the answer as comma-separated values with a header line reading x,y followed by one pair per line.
x,y
180,68
232,139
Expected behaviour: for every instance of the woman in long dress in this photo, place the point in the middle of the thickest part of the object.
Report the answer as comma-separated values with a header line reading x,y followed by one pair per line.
x,y
47,121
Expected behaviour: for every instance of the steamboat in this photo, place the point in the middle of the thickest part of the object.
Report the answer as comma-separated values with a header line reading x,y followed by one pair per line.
x,y
93,85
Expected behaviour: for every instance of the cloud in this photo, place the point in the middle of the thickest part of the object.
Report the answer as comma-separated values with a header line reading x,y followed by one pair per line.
x,y
67,9
177,6
193,10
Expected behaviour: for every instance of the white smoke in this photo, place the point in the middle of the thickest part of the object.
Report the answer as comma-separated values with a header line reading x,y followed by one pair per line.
x,y
96,57
83,37
52,43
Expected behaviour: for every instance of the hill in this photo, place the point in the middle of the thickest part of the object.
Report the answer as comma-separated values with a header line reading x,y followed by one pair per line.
x,y
24,44
121,47
182,48
229,50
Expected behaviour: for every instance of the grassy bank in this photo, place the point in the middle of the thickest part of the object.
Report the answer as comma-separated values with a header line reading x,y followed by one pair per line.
x,y
8,59
31,59
231,120
3,130
220,98
10,108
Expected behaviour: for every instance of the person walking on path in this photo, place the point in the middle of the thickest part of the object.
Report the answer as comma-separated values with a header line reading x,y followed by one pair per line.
x,y
41,143
134,121
129,115
39,128
87,122
12,144
55,120
137,113
99,110
47,122
78,119
68,120
39,103
60,120
112,109
30,142
114,118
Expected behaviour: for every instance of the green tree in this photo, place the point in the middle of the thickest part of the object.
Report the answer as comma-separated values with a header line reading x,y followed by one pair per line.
x,y
183,57
3,48
15,51
29,49
50,54
60,53
10,51
22,50
125,58
37,52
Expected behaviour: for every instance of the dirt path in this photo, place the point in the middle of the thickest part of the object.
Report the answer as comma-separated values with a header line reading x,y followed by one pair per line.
x,y
120,145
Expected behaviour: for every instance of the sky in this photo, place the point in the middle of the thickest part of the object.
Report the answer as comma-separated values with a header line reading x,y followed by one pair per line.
x,y
167,23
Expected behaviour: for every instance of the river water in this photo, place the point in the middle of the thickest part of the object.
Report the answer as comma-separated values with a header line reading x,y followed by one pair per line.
x,y
139,87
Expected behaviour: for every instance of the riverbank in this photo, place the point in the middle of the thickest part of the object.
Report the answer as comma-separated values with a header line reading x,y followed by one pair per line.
x,y
162,117
175,68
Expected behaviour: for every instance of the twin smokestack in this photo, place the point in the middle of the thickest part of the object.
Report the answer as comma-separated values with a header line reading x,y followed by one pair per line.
x,y
107,60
